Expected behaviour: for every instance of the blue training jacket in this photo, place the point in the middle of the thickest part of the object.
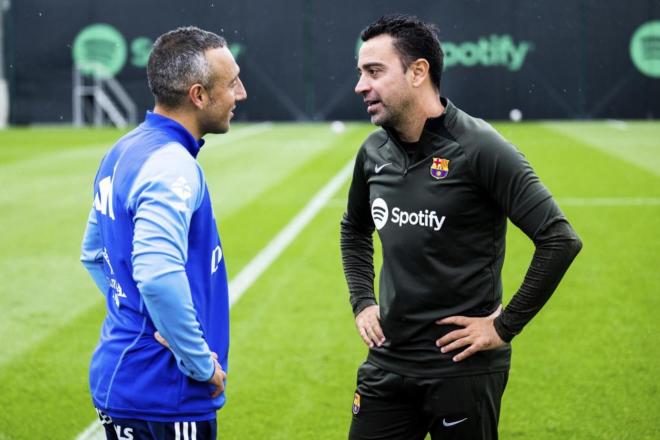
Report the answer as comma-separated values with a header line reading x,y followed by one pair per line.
x,y
153,249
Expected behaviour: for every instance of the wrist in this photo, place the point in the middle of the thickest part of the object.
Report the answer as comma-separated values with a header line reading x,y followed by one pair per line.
x,y
505,334
210,376
363,304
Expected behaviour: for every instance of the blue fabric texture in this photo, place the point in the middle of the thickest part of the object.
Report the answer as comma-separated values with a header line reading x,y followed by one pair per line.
x,y
153,249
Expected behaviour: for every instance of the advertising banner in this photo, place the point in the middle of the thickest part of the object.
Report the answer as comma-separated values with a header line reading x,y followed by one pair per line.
x,y
530,60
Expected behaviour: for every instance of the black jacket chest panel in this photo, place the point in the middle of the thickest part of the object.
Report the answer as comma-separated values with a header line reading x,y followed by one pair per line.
x,y
422,207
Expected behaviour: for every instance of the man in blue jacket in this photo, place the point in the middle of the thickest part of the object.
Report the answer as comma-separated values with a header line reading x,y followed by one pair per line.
x,y
152,247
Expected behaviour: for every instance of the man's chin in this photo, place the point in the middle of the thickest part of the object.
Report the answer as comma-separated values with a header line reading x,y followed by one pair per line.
x,y
378,120
221,129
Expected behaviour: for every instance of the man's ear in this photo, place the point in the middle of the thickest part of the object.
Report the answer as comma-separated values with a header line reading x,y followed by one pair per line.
x,y
419,70
197,95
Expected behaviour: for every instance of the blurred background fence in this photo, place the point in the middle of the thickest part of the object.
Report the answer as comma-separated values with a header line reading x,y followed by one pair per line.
x,y
549,59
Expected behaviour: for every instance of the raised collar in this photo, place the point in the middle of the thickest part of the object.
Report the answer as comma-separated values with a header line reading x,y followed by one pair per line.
x,y
435,132
154,121
434,126
440,124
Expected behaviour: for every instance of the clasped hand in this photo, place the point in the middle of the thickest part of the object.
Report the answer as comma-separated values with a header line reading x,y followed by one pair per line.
x,y
219,376
478,334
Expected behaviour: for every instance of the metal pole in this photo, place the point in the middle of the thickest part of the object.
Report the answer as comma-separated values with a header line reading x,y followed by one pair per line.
x,y
4,89
98,110
77,97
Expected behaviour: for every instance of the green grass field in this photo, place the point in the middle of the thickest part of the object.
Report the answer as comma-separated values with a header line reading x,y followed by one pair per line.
x,y
587,367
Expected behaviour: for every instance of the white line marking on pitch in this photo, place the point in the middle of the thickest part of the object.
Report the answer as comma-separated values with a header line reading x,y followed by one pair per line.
x,y
239,134
251,272
612,201
97,149
265,258
94,431
618,124
564,201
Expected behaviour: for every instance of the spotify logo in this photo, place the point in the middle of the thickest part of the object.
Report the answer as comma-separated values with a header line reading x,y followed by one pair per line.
x,y
645,49
425,218
379,213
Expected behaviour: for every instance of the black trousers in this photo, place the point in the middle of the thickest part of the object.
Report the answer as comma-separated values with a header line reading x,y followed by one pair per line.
x,y
388,406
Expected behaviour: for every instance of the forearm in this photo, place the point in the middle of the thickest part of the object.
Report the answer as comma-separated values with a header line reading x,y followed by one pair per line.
x,y
95,270
91,254
555,250
357,252
168,300
160,247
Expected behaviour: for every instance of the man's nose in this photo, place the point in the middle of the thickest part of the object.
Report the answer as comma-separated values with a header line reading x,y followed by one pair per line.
x,y
362,86
242,93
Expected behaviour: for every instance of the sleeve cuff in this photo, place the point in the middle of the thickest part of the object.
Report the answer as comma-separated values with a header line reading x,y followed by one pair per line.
x,y
363,304
501,330
210,376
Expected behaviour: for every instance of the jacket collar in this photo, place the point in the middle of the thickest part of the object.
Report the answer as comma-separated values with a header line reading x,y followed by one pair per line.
x,y
154,121
436,130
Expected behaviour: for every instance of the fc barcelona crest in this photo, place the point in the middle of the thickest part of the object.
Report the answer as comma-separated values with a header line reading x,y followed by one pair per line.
x,y
356,403
439,168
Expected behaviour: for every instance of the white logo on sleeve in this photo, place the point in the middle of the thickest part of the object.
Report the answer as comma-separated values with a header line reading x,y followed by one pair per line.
x,y
103,198
379,213
181,188
216,257
425,218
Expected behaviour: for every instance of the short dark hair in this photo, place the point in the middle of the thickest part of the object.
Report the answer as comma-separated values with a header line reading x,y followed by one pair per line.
x,y
178,60
413,39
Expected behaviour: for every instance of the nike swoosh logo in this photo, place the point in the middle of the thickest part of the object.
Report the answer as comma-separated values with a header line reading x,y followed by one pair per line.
x,y
446,423
377,168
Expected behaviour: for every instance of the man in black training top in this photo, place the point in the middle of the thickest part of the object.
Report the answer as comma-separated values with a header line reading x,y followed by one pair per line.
x,y
438,185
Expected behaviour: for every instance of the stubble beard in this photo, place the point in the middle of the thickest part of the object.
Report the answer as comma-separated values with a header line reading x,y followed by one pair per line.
x,y
215,126
394,117
386,119
382,118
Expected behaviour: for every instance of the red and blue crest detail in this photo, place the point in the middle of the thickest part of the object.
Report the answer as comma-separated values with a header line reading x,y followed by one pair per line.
x,y
439,168
356,403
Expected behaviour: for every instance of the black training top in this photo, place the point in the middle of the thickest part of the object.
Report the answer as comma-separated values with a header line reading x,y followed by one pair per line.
x,y
441,214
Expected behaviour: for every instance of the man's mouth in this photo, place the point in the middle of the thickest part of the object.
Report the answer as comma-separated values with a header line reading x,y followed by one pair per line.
x,y
372,104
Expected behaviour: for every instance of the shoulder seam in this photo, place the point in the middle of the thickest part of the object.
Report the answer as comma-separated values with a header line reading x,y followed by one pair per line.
x,y
464,151
202,180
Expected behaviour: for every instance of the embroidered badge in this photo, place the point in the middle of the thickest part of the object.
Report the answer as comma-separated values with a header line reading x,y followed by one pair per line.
x,y
356,403
439,168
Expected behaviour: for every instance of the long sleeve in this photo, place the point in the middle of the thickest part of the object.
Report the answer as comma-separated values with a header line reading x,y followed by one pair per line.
x,y
512,183
556,248
163,199
91,254
356,241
